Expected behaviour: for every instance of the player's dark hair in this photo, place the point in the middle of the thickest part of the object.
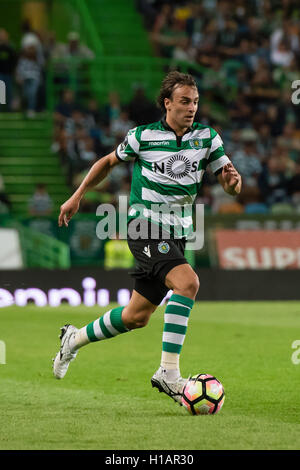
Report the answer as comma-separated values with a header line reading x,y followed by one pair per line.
x,y
170,82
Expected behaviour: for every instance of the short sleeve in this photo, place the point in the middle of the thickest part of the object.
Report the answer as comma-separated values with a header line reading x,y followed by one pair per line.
x,y
217,157
128,150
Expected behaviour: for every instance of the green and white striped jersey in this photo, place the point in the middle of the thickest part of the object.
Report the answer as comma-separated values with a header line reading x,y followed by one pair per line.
x,y
168,171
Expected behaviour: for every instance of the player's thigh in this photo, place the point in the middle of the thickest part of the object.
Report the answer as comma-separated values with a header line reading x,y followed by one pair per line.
x,y
138,311
182,279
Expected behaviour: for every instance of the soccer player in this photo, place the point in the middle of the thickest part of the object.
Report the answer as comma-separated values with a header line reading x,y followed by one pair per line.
x,y
170,158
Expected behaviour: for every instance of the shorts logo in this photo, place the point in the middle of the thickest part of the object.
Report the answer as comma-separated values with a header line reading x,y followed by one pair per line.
x,y
146,251
163,247
196,144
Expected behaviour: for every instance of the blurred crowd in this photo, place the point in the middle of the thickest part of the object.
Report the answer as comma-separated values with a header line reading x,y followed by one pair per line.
x,y
85,131
23,67
245,55
252,53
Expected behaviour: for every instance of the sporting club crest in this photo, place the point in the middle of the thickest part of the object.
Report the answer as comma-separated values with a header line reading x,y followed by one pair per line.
x,y
163,247
196,144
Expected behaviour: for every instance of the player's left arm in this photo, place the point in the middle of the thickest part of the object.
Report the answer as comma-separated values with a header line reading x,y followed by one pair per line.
x,y
222,167
230,179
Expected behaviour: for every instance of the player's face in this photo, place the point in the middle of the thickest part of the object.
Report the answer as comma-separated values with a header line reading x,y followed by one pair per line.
x,y
182,107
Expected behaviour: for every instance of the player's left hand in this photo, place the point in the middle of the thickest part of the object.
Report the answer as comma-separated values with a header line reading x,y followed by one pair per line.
x,y
230,176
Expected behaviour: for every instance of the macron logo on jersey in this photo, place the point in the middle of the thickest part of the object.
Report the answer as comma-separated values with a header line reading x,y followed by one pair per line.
x,y
160,142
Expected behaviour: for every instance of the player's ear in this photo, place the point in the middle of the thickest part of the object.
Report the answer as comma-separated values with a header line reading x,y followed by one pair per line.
x,y
167,103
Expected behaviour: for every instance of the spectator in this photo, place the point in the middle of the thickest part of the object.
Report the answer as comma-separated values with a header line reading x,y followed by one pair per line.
x,y
196,23
108,140
29,76
215,80
30,37
170,37
141,110
63,111
48,39
121,125
290,140
246,54
40,204
276,118
147,8
73,49
273,183
206,45
263,90
94,120
8,60
72,142
65,107
76,49
233,143
287,32
285,76
228,40
239,111
184,51
112,108
163,18
94,117
282,55
69,61
264,142
247,163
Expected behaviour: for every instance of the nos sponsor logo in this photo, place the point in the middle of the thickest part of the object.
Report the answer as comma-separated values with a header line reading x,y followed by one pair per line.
x,y
176,167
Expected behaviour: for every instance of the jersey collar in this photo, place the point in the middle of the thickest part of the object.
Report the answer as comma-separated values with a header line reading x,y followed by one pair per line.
x,y
169,128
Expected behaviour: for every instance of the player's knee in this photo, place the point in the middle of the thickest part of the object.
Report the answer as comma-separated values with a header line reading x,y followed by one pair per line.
x,y
190,287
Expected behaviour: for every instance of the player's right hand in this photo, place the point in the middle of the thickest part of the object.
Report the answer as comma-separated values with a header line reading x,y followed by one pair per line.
x,y
67,210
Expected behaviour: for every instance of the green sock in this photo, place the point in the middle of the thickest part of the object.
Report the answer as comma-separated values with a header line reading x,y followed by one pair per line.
x,y
175,326
109,325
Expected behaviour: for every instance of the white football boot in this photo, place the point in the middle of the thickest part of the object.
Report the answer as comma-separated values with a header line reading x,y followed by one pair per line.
x,y
173,389
64,356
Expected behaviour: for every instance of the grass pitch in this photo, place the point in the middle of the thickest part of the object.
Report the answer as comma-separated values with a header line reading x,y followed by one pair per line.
x,y
106,400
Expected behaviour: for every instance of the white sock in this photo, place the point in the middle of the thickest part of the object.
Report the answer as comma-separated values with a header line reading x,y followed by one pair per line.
x,y
170,362
79,339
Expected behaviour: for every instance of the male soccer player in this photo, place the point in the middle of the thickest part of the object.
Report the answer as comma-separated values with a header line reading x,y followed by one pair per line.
x,y
170,157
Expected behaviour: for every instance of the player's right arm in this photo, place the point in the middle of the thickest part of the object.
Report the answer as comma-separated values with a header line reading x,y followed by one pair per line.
x,y
97,173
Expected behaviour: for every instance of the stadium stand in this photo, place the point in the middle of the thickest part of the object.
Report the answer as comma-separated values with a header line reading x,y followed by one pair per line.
x,y
27,160
244,58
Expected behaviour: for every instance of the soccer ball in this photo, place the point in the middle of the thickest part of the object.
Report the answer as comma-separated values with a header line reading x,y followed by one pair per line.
x,y
203,394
